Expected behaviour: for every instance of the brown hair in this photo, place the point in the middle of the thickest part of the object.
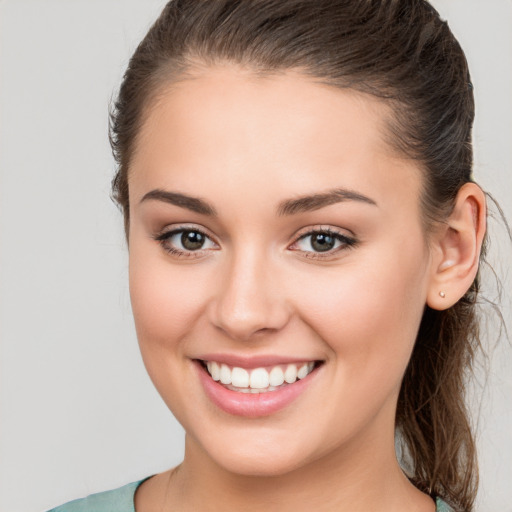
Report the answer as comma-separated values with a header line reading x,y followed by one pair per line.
x,y
402,52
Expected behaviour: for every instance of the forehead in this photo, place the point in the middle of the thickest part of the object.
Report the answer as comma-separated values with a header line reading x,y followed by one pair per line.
x,y
227,124
241,100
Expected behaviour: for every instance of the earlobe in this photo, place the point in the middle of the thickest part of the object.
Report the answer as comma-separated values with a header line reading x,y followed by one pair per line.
x,y
456,248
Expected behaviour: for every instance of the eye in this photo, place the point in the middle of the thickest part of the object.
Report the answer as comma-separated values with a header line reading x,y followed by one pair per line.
x,y
186,242
322,242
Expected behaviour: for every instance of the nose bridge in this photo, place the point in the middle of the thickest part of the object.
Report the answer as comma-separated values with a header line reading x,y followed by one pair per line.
x,y
249,300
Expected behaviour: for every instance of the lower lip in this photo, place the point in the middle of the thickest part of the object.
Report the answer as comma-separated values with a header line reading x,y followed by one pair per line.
x,y
252,405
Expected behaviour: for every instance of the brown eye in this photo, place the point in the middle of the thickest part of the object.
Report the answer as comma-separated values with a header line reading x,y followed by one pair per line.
x,y
192,240
186,242
322,242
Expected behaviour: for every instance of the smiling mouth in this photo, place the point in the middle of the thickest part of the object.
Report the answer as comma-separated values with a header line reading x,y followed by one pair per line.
x,y
258,380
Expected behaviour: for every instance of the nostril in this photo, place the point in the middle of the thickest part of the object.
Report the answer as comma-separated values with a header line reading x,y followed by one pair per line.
x,y
247,305
248,323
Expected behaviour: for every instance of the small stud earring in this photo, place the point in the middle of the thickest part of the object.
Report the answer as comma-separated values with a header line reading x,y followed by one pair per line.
x,y
442,295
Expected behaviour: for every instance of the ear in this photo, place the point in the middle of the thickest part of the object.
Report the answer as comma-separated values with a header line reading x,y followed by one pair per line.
x,y
456,248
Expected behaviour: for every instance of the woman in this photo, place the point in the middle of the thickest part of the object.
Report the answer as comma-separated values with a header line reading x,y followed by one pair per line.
x,y
304,238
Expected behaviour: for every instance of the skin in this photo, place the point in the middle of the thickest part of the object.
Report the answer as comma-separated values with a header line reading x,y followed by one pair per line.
x,y
245,145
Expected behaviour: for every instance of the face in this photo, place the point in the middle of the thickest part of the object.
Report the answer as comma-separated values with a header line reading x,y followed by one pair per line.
x,y
273,231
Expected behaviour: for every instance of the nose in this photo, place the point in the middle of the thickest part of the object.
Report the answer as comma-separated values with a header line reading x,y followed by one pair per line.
x,y
249,300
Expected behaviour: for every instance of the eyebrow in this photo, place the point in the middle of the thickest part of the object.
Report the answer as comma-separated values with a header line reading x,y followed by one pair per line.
x,y
317,201
193,204
288,207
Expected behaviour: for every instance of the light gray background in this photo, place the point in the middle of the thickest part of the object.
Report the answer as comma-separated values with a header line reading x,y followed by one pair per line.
x,y
78,413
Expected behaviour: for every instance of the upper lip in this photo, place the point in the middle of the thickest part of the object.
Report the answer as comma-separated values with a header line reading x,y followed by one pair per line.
x,y
255,361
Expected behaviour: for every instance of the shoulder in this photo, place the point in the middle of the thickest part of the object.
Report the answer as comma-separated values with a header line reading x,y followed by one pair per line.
x,y
442,506
116,500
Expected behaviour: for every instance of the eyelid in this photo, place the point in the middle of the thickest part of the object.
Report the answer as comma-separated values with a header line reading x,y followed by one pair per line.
x,y
163,236
176,228
325,228
347,241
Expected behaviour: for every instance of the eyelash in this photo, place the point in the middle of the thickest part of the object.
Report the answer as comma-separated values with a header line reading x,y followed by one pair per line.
x,y
164,237
345,242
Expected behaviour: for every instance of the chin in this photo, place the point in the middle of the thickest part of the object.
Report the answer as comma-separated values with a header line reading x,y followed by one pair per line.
x,y
259,454
256,465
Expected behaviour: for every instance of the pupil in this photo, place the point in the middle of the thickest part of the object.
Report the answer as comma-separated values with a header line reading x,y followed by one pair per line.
x,y
322,242
192,240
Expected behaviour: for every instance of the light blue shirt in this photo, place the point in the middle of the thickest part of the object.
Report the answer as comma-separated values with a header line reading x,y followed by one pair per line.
x,y
122,500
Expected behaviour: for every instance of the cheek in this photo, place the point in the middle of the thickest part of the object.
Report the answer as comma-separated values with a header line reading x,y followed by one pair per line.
x,y
166,299
368,313
168,304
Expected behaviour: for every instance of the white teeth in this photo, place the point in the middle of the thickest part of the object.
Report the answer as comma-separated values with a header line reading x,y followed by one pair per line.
x,y
258,380
214,370
276,377
290,374
225,374
240,378
302,371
